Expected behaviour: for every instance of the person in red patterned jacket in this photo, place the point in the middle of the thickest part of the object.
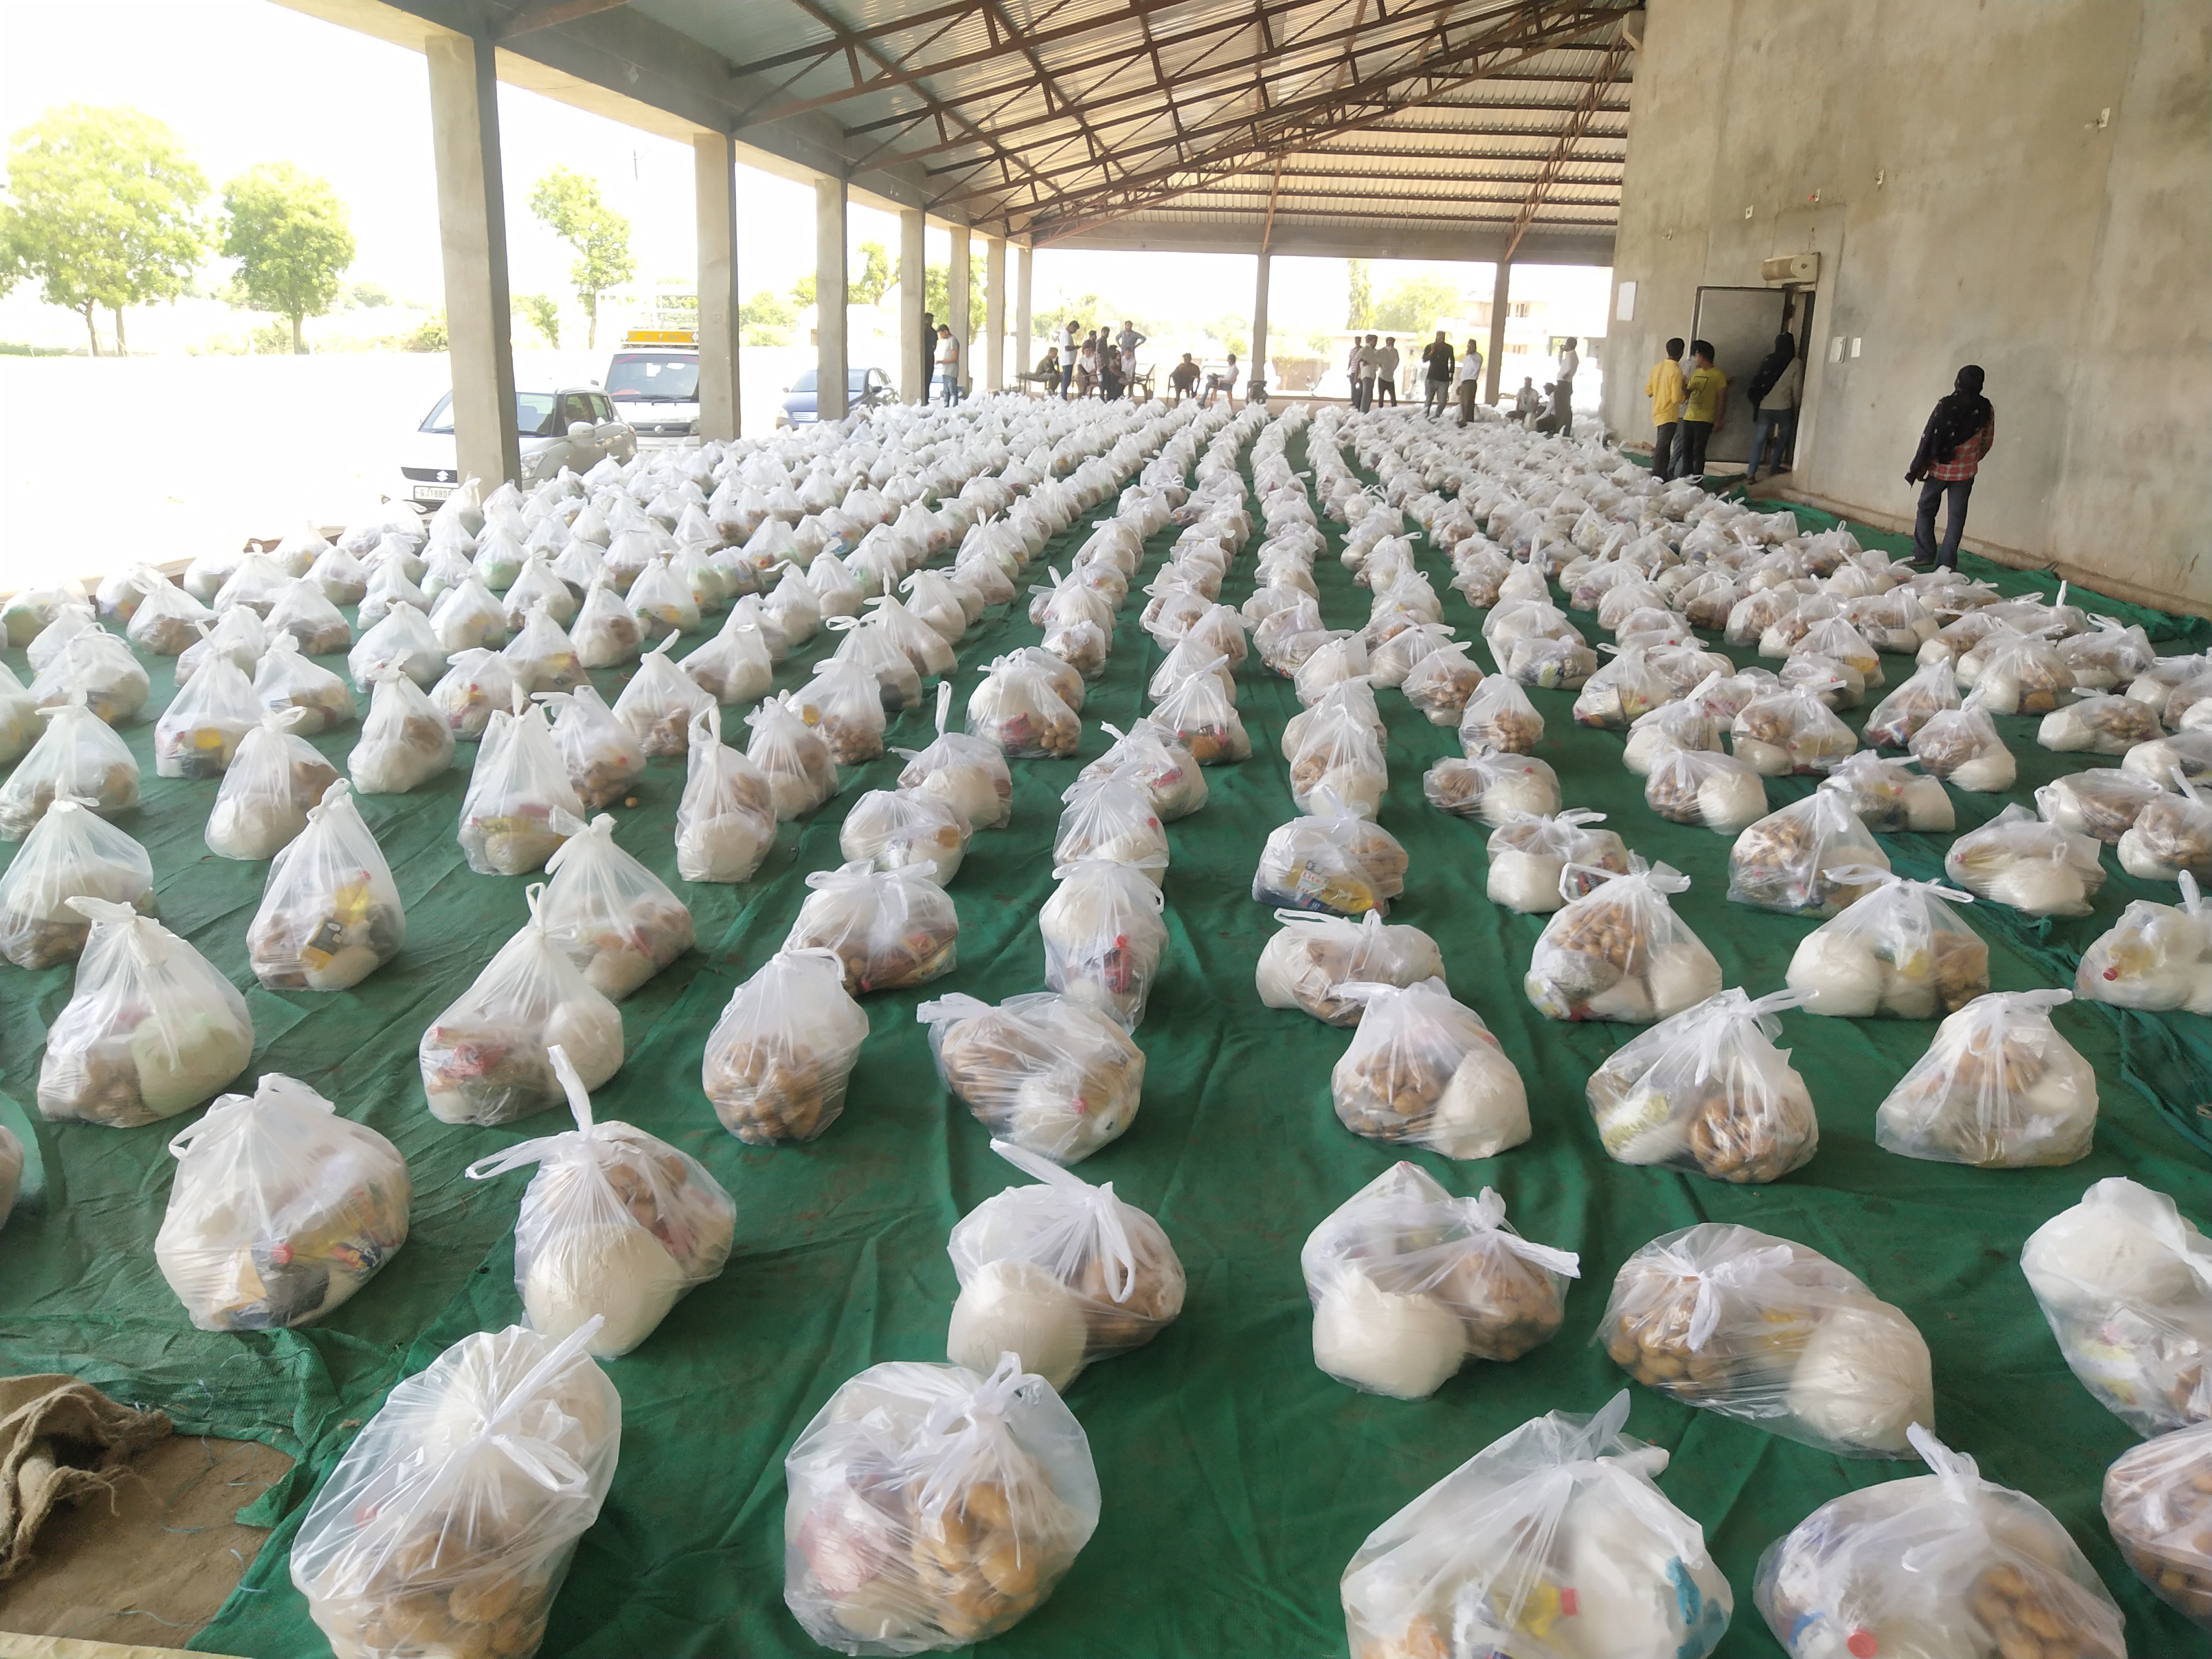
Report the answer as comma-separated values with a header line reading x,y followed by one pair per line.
x,y
1959,434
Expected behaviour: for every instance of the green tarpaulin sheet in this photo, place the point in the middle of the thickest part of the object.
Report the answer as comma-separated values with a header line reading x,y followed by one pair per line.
x,y
1237,1479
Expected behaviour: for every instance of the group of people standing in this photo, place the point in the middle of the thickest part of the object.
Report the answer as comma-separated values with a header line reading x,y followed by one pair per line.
x,y
1102,362
1373,370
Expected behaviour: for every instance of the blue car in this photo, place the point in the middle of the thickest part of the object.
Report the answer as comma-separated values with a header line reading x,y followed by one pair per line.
x,y
864,388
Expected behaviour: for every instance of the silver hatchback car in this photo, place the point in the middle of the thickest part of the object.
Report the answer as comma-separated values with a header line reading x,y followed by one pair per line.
x,y
575,426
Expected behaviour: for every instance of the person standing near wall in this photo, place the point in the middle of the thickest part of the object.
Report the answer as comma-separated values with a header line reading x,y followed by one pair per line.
x,y
1959,434
948,364
1437,354
1664,386
1470,381
1386,372
1775,385
1563,398
1704,406
928,353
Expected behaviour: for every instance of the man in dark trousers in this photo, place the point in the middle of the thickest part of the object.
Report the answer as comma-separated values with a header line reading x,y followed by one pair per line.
x,y
928,353
1440,358
1959,434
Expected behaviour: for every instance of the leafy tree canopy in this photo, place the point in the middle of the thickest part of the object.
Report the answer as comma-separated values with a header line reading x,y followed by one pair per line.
x,y
292,239
568,202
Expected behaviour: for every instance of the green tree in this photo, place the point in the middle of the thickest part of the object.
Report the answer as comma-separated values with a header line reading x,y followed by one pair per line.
x,y
106,212
875,276
570,204
937,297
1360,292
368,296
1418,305
765,320
544,313
802,291
290,235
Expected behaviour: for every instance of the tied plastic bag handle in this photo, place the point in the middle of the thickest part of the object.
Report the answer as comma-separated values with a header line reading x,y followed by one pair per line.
x,y
273,1088
962,1423
544,1146
1485,1214
1734,1274
951,1008
1105,1211
2192,902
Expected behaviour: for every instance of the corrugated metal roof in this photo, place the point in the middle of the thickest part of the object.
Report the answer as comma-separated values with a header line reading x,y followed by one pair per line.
x,y
1046,119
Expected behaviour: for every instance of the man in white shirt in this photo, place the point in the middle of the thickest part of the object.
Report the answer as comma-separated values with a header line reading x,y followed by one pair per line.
x,y
1066,344
1370,365
1470,381
1563,397
1386,372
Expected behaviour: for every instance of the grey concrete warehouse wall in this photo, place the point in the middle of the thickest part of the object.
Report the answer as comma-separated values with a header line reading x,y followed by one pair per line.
x,y
1953,165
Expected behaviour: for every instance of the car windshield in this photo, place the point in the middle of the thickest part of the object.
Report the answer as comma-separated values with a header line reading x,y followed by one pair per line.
x,y
533,415
634,377
856,379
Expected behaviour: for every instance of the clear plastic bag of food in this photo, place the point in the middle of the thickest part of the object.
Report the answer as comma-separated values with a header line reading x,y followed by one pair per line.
x,y
1441,684
2158,1506
1791,731
602,759
2098,724
924,646
1619,952
778,1060
70,852
733,667
448,1524
2124,1280
542,657
1051,1074
389,587
1391,661
1424,1070
1622,692
1708,1090
303,611
615,1227
20,723
1962,747
889,928
330,916
1552,1542
403,639
1408,1281
1900,952
518,783
658,701
284,679
664,606
1338,752
1945,1564
890,829
1529,853
150,1029
1167,773
1492,788
98,667
606,632
1341,657
1103,937
616,920
166,621
2171,836
2189,753
478,683
485,1059
468,616
1309,963
1812,857
1202,719
1696,720
843,705
1551,665
1766,1330
77,757
725,820
1998,1088
1888,797
537,583
930,1507
274,780
792,756
281,1209
2017,674
1189,656
2155,957
1331,860
1061,1274
1353,696
1017,709
2018,858
405,742
200,730
1898,717
2109,656
1500,716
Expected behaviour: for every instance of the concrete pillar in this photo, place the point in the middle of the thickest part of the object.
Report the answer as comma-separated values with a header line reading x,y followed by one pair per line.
x,y
715,173
472,231
958,292
995,314
829,299
913,279
1024,348
1257,370
1500,296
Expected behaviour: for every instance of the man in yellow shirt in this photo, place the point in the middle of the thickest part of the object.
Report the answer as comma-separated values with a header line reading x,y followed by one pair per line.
x,y
1705,405
1663,385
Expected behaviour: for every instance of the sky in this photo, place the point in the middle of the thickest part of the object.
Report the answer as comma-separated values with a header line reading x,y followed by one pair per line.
x,y
247,80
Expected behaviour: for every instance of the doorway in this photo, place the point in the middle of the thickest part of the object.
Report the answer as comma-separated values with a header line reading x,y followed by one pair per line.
x,y
1741,324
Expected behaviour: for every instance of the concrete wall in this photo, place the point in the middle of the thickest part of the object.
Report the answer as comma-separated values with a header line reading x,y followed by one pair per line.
x,y
1951,165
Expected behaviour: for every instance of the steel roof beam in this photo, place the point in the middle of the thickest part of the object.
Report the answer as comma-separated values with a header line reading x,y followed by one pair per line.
x,y
544,14
1549,176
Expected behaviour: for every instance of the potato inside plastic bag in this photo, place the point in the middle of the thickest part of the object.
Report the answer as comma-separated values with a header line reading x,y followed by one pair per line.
x,y
889,829
778,1059
1530,852
101,669
1762,1330
792,756
281,1209
1708,1090
842,702
615,1225
2125,1282
150,1029
1407,1281
1791,731
1898,717
1552,1542
1060,1274
1309,963
658,701
2171,836
2098,724
1998,1088
1332,860
1942,1564
518,783
2158,1506
889,928
1047,1071
1500,716
330,916
2103,802
1103,937
969,771
1619,952
71,852
1017,709
1900,952
1493,787
405,742
448,1525
725,820
617,921
931,1506
1424,1070
2155,957
2034,865
1812,857
485,1059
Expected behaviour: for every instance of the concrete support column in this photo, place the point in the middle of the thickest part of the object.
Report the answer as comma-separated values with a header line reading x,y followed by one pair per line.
x,y
914,348
956,293
1257,369
472,232
829,299
1500,296
715,173
995,314
1024,348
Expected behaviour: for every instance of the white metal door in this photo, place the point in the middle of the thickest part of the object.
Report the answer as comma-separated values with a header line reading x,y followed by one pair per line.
x,y
1740,324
